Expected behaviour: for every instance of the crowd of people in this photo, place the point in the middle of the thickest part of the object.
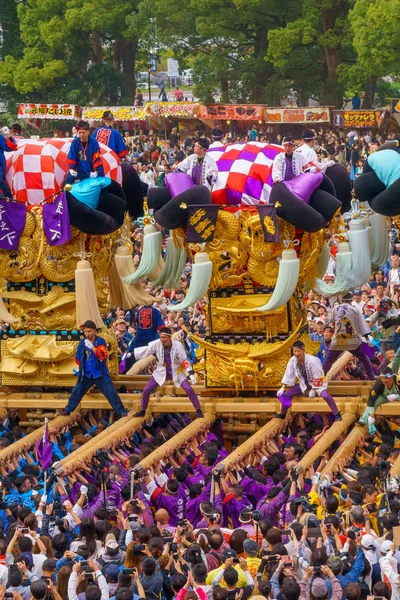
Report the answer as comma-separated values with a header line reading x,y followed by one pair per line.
x,y
188,528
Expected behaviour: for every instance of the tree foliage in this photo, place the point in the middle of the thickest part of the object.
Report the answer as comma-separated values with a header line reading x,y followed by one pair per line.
x,y
241,50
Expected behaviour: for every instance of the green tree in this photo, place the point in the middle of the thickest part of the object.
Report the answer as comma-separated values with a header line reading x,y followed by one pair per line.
x,y
308,51
375,39
224,41
73,51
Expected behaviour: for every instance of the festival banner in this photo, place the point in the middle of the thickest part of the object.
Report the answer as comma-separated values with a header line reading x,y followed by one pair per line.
x,y
12,223
172,109
269,222
356,118
120,113
49,111
238,112
297,115
56,221
201,223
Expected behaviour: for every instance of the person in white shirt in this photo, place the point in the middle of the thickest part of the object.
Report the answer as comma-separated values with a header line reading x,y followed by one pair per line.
x,y
394,273
311,159
358,302
147,176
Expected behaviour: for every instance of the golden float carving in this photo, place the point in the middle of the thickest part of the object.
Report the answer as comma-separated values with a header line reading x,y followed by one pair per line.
x,y
244,264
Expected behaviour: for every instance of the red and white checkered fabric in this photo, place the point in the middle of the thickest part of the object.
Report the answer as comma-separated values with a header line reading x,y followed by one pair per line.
x,y
38,168
244,172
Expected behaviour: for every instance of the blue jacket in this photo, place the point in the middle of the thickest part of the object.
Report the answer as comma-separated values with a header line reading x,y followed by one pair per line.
x,y
111,137
85,160
92,364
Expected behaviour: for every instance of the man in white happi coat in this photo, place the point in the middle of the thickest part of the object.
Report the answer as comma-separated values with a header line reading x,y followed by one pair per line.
x,y
172,363
304,374
309,155
350,328
287,165
200,166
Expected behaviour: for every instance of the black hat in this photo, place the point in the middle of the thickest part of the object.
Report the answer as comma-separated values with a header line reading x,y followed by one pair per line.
x,y
89,325
165,330
107,114
288,140
386,372
203,142
347,296
299,344
308,135
217,133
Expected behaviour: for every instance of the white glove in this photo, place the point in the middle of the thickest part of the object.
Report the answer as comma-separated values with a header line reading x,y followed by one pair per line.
x,y
393,397
88,344
371,420
73,172
5,131
84,490
193,379
312,394
43,499
315,478
280,392
93,175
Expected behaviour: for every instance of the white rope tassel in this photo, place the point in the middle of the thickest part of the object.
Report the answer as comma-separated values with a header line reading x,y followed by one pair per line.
x,y
379,229
359,243
344,275
201,277
152,242
323,260
131,294
87,308
288,275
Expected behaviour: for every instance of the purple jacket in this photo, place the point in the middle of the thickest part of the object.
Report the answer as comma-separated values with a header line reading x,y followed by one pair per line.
x,y
232,507
271,510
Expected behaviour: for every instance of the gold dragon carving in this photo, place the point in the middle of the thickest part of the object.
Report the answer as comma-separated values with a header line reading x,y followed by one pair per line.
x,y
241,256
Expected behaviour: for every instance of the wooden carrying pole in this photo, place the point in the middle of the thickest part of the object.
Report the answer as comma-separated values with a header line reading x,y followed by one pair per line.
x,y
112,436
33,438
177,441
346,448
270,430
395,470
327,439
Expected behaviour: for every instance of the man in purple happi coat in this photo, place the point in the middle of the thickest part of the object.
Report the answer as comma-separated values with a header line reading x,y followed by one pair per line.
x,y
275,499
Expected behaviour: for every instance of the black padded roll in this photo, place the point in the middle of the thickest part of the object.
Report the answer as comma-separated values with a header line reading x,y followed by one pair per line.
x,y
295,211
387,202
96,222
133,189
367,186
340,178
174,214
157,197
326,204
327,186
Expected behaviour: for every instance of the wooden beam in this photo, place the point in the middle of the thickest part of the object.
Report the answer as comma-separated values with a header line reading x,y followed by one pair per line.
x,y
346,448
32,438
327,439
113,435
270,430
180,438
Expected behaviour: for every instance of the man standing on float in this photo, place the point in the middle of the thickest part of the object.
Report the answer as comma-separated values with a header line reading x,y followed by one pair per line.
x,y
172,363
308,371
350,328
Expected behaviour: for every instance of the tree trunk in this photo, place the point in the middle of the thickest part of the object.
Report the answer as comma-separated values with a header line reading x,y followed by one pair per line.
x,y
129,51
116,62
369,92
224,89
97,49
331,89
262,69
